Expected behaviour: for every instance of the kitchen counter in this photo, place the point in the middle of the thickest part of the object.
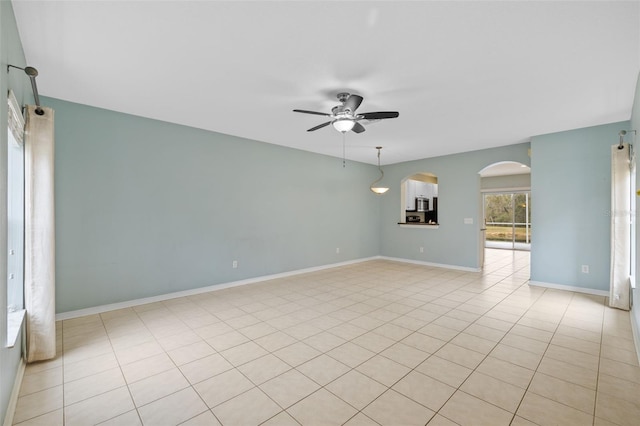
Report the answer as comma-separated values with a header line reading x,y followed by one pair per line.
x,y
418,225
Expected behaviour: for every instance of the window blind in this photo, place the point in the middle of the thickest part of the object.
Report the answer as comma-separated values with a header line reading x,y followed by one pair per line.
x,y
16,120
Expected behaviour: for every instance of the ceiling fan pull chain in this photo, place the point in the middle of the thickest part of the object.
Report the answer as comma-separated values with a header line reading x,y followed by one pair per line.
x,y
343,150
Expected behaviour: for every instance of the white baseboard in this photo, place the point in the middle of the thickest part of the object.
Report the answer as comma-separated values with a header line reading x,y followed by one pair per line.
x,y
570,288
13,400
162,297
435,265
130,303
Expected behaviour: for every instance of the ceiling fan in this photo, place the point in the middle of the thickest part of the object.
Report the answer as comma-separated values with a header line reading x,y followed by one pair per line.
x,y
344,118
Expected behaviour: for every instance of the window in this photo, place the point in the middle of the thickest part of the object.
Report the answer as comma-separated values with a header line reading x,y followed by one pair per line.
x,y
420,199
15,222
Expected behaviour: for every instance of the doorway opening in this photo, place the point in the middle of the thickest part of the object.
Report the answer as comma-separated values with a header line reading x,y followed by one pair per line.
x,y
505,203
507,219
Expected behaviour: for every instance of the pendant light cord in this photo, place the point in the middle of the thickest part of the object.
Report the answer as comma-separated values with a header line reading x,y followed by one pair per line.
x,y
379,168
378,190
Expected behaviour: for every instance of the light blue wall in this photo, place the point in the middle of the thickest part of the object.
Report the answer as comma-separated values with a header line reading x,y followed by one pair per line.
x,y
454,243
571,192
497,183
10,53
145,208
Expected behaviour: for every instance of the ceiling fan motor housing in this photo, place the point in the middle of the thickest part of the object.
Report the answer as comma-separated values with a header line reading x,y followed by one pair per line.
x,y
344,114
339,110
343,96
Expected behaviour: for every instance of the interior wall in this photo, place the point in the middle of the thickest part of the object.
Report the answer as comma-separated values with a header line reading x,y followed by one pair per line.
x,y
10,53
506,182
145,208
571,189
454,242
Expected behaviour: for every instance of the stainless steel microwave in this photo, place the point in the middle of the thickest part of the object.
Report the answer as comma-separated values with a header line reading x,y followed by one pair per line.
x,y
422,204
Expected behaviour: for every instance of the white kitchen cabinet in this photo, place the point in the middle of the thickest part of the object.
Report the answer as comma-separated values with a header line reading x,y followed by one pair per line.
x,y
424,189
415,188
410,194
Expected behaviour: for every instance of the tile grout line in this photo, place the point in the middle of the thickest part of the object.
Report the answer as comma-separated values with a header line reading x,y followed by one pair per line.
x,y
595,402
155,338
573,295
358,411
541,358
437,412
175,365
449,341
488,354
474,322
369,291
120,366
64,411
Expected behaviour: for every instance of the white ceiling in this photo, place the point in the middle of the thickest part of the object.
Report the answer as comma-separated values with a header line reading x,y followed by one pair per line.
x,y
463,75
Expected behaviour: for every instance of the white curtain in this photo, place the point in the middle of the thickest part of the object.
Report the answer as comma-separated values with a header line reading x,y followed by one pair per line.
x,y
620,227
39,227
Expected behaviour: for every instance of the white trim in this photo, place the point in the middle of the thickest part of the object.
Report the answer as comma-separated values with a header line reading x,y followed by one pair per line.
x,y
15,320
15,392
526,172
435,265
570,288
162,297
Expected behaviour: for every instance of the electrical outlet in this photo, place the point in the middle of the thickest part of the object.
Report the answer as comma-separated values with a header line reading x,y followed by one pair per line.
x,y
337,250
421,249
234,265
585,269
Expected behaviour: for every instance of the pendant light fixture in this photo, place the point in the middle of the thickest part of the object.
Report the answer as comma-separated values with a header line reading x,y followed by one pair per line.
x,y
378,189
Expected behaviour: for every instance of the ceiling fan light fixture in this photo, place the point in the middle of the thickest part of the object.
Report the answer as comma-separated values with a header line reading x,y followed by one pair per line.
x,y
378,189
343,125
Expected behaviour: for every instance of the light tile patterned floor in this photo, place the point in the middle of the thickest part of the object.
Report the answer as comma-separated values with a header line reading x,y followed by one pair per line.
x,y
378,342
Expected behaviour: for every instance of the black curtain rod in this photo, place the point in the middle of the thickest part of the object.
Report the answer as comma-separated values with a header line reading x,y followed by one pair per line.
x,y
32,73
